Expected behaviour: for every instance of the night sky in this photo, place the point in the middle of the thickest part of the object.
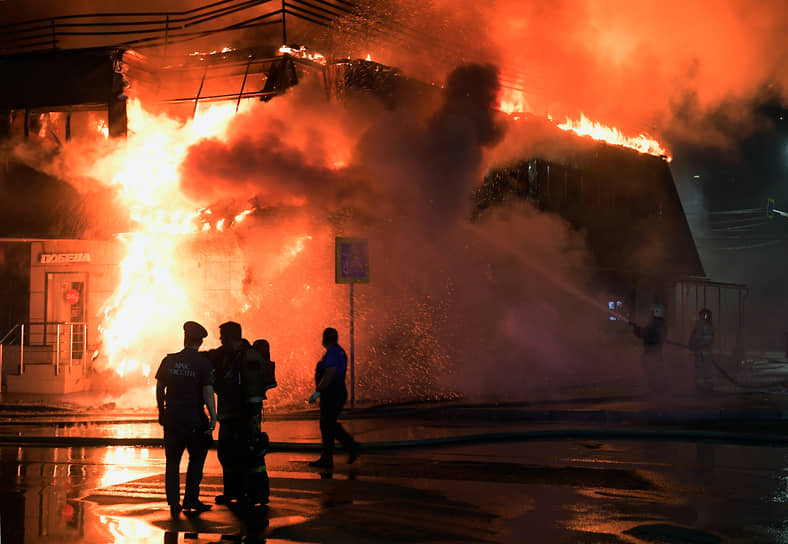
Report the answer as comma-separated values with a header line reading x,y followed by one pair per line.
x,y
724,192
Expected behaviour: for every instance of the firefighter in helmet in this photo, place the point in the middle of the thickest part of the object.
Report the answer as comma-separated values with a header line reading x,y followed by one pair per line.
x,y
231,362
653,336
700,343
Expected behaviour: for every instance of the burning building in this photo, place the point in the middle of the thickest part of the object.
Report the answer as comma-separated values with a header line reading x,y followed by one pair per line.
x,y
57,325
624,200
198,213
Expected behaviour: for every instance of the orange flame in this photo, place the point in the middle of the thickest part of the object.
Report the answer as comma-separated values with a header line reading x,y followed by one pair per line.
x,y
152,294
612,135
512,101
303,53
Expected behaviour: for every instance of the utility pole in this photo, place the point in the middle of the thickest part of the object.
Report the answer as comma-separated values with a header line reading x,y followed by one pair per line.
x,y
284,23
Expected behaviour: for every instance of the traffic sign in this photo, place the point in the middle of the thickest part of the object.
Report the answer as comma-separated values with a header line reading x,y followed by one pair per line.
x,y
352,260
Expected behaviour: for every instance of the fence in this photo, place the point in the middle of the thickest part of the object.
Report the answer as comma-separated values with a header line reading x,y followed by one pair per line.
x,y
726,302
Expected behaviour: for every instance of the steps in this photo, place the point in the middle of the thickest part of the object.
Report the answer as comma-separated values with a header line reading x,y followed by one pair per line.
x,y
39,374
41,379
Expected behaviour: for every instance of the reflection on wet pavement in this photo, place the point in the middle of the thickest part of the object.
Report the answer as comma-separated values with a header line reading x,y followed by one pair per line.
x,y
570,491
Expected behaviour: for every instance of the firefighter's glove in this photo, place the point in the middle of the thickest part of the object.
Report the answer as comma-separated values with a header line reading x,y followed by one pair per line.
x,y
313,398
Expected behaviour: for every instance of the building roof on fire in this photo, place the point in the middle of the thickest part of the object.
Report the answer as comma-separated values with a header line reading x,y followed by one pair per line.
x,y
624,202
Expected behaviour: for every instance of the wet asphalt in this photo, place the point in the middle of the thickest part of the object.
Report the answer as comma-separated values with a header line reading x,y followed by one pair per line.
x,y
589,468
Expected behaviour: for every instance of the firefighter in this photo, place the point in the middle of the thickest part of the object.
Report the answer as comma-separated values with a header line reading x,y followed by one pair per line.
x,y
236,416
258,376
183,390
257,486
700,343
330,389
653,336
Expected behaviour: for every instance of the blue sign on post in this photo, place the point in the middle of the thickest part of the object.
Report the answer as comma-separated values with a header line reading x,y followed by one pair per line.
x,y
352,266
770,208
352,260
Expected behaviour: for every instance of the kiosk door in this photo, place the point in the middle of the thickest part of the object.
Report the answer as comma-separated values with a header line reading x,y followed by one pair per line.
x,y
66,304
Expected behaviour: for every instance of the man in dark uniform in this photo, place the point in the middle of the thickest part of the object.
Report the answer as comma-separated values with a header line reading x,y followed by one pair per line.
x,y
653,336
183,388
330,389
700,343
236,415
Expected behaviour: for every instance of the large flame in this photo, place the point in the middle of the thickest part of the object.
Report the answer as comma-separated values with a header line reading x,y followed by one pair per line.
x,y
152,294
513,102
612,135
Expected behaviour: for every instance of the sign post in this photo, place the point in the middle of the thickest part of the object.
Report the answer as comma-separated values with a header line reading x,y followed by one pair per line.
x,y
352,267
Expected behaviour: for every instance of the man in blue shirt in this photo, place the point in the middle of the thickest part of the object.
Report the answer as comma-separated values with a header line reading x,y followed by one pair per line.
x,y
330,389
183,388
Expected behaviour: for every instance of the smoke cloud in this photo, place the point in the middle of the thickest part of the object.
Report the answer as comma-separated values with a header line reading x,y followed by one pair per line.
x,y
481,310
688,71
487,309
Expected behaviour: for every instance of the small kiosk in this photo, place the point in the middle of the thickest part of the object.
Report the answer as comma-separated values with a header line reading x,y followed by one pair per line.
x,y
69,281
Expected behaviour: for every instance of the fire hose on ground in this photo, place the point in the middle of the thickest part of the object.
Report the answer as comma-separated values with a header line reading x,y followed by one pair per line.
x,y
677,435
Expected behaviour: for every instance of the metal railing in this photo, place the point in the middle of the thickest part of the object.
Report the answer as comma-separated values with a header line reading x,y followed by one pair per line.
x,y
61,343
161,28
9,337
10,333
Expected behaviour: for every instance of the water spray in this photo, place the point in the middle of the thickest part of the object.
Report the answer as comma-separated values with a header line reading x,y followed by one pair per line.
x,y
567,288
572,290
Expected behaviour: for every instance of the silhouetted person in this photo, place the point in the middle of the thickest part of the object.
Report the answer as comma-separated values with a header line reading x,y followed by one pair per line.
x,y
183,389
235,415
330,389
700,343
653,336
258,376
262,377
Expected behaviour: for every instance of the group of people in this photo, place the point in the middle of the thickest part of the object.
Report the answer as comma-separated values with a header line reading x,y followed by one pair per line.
x,y
654,335
237,374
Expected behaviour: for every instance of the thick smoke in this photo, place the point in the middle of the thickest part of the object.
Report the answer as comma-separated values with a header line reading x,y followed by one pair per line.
x,y
687,70
292,152
478,309
490,308
485,309
691,71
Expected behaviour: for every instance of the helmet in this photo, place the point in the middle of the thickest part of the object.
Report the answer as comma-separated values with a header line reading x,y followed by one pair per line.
x,y
658,310
705,314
